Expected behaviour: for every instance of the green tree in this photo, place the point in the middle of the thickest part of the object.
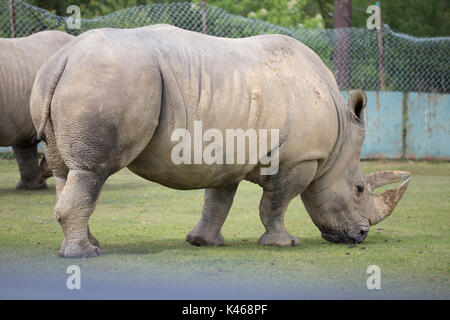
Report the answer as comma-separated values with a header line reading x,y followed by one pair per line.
x,y
419,18
280,12
325,8
92,8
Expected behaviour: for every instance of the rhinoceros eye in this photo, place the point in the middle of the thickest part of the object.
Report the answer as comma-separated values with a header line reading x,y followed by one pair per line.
x,y
360,189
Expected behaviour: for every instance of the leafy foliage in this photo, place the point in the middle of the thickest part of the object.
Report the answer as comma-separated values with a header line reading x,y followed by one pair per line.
x,y
419,18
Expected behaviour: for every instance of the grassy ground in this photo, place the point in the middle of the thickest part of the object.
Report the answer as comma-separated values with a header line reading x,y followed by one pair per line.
x,y
141,227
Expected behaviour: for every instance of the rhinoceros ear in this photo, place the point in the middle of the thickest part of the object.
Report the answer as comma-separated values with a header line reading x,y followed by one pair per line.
x,y
357,103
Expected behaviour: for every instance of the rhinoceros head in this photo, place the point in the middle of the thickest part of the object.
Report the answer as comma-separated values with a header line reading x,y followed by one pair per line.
x,y
342,202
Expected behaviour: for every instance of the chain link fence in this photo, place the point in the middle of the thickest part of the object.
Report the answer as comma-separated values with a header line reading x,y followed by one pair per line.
x,y
359,58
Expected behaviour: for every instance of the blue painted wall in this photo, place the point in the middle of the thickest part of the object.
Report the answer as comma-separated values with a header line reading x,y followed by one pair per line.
x,y
427,126
428,123
384,125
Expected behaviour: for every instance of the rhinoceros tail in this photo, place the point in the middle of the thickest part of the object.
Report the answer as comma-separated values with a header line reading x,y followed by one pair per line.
x,y
50,90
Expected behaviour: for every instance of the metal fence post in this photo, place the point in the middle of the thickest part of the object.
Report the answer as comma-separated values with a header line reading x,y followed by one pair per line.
x,y
13,20
204,18
380,53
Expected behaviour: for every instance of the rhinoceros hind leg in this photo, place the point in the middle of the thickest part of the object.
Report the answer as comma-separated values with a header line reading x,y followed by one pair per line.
x,y
215,210
60,182
27,159
75,204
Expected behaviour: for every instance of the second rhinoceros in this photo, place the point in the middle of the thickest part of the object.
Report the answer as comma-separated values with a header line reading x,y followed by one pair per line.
x,y
113,99
20,60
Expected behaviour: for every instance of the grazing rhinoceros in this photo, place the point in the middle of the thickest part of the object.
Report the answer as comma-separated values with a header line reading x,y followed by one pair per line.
x,y
114,98
20,60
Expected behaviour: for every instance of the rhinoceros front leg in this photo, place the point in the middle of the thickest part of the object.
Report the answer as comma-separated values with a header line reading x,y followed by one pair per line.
x,y
272,207
27,159
75,204
215,211
44,172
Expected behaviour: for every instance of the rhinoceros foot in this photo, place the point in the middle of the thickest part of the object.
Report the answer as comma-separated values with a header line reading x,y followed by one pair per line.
x,y
30,185
198,238
281,239
77,250
93,240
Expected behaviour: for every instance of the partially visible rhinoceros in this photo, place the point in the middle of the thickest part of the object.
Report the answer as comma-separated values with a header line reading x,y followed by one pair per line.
x,y
114,98
20,60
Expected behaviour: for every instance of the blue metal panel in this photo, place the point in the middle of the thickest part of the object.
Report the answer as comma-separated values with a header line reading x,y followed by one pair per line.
x,y
383,116
428,134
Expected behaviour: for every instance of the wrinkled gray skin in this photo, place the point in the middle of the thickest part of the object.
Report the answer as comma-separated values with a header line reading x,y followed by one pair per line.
x,y
20,60
116,96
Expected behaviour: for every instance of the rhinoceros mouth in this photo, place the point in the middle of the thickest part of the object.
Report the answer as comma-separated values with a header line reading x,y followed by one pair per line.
x,y
345,237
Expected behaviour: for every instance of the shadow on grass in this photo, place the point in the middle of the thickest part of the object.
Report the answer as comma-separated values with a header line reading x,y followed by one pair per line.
x,y
233,245
144,247
247,244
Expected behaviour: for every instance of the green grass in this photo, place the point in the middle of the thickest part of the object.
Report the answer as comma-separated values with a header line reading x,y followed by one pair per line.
x,y
141,227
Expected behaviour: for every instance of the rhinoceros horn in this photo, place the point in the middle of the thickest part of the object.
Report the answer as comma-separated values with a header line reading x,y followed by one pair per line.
x,y
386,201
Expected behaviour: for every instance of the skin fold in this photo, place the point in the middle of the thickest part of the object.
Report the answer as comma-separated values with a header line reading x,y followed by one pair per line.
x,y
112,99
20,60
